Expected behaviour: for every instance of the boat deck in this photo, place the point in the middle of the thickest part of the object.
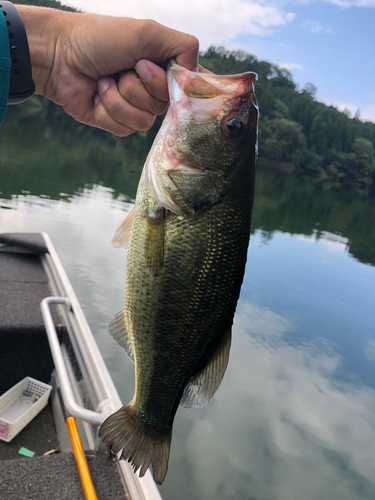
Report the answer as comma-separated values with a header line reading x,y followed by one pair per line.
x,y
25,352
23,284
52,477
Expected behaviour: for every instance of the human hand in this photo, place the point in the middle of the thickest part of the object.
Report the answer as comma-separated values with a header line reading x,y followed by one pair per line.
x,y
73,56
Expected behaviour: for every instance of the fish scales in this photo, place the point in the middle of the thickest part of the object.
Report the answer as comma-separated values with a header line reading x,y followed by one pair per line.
x,y
187,253
193,254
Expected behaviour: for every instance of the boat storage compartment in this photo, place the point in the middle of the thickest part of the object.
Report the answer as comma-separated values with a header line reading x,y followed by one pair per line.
x,y
20,405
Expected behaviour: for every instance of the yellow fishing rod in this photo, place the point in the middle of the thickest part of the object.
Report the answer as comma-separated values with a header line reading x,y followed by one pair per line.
x,y
66,397
81,461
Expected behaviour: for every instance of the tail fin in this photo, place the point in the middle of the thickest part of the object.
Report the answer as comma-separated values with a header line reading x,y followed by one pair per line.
x,y
122,431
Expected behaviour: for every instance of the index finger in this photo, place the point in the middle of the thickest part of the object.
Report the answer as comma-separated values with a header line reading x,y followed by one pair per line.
x,y
189,57
159,44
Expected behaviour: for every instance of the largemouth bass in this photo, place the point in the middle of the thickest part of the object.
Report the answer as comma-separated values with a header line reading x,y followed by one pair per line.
x,y
189,234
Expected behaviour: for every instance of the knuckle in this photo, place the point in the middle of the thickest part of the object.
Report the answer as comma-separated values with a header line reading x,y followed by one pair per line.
x,y
105,122
159,107
113,108
126,84
193,42
100,114
145,122
111,102
152,24
125,133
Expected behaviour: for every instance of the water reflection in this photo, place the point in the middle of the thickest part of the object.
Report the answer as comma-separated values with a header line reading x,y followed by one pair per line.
x,y
286,427
335,242
307,206
294,417
55,157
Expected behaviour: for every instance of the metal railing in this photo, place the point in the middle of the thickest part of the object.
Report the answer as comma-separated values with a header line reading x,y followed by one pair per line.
x,y
70,403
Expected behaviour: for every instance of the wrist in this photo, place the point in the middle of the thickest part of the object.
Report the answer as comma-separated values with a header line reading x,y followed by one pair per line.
x,y
41,25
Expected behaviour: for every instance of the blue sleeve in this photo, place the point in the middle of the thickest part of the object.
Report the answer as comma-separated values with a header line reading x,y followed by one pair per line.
x,y
5,64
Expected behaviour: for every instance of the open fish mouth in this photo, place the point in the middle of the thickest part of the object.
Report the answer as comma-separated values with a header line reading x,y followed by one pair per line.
x,y
204,94
204,84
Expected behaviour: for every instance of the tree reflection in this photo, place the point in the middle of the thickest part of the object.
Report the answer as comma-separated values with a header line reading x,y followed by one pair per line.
x,y
48,154
299,204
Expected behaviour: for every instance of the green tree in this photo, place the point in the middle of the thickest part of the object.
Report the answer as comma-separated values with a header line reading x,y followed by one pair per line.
x,y
47,3
280,110
282,140
310,89
293,126
358,164
364,153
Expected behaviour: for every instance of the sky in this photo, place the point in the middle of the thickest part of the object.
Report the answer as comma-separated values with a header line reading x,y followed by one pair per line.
x,y
330,43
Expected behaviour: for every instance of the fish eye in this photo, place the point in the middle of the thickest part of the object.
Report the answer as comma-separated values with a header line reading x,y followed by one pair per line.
x,y
233,127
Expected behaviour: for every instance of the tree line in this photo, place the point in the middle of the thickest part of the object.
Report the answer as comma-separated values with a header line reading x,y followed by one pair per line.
x,y
298,131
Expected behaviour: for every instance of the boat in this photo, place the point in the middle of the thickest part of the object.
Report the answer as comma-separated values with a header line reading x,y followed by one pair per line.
x,y
45,338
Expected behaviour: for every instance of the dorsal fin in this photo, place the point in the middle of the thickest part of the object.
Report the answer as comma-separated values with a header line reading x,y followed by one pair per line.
x,y
117,330
202,387
122,234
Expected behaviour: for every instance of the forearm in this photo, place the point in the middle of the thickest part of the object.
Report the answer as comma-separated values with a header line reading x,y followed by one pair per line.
x,y
74,55
42,28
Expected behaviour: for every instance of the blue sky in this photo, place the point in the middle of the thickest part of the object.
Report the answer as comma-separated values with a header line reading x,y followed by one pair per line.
x,y
328,43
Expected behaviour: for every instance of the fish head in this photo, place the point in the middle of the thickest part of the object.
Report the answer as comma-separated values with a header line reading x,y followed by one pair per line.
x,y
210,128
214,117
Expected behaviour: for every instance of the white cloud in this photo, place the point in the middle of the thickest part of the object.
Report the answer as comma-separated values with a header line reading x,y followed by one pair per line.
x,y
329,241
370,350
211,21
293,430
350,108
312,26
367,113
291,66
286,46
316,27
352,3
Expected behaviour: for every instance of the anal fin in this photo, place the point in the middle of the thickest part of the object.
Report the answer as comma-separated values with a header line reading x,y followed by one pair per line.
x,y
202,387
117,330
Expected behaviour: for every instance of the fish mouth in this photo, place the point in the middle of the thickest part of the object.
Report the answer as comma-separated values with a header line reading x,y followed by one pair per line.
x,y
203,84
204,94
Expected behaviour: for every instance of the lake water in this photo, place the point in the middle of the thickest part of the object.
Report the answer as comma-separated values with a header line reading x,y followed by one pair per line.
x,y
295,415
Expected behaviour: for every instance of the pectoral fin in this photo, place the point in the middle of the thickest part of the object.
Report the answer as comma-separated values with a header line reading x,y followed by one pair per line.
x,y
202,387
192,191
117,330
122,234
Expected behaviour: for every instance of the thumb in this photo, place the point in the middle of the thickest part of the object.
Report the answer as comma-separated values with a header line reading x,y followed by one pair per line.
x,y
153,78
